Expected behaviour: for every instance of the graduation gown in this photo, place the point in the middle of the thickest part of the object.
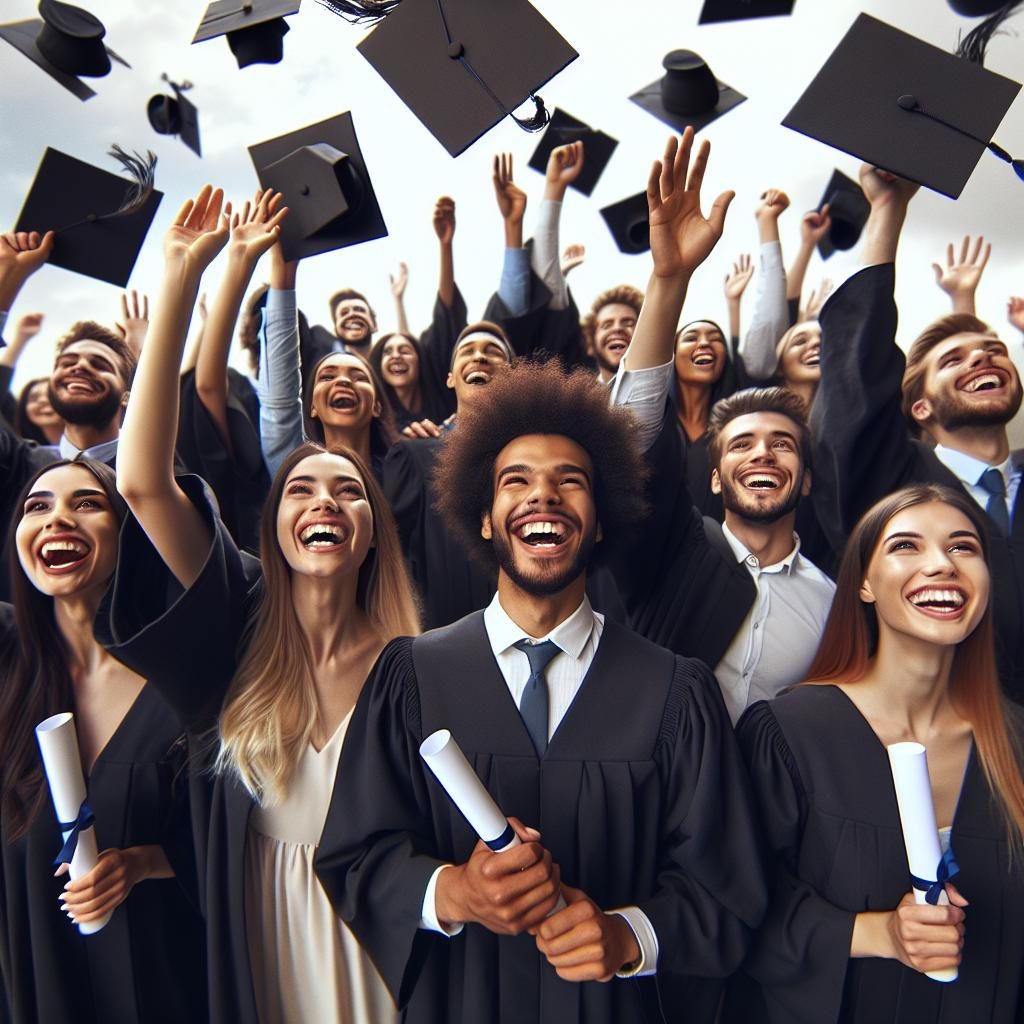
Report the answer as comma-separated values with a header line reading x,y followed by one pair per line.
x,y
823,784
863,450
640,797
147,965
436,345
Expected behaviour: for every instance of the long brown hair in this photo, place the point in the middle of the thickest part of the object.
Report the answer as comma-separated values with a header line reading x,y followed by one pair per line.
x,y
36,679
850,641
270,709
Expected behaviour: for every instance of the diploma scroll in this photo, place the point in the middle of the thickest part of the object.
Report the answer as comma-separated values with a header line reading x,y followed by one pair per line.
x,y
446,760
928,867
58,744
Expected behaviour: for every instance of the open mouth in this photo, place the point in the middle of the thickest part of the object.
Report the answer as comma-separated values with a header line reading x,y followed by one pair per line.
x,y
939,602
761,482
318,536
63,554
990,381
543,533
354,323
616,345
477,377
343,401
78,386
703,359
398,369
811,359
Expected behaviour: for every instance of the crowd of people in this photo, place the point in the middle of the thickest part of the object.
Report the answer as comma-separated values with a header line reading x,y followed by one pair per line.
x,y
672,588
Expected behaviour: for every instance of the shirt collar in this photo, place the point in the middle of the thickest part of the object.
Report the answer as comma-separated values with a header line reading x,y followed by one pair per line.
x,y
743,554
570,635
969,469
103,452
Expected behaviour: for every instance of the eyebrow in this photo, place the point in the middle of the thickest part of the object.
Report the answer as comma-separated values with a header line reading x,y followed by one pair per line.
x,y
82,492
774,434
341,477
908,534
565,467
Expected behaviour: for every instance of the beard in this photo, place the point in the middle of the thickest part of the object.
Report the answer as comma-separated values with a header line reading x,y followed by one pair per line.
x,y
734,500
543,586
608,363
951,412
87,410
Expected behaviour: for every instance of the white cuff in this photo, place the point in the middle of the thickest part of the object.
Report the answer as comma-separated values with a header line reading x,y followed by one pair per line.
x,y
428,915
646,939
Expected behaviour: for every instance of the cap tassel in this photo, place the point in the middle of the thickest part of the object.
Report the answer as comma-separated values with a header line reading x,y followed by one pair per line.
x,y
973,46
361,12
909,103
143,181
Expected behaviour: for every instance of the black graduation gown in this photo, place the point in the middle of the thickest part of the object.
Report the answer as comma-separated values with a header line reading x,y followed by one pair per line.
x,y
147,965
436,345
863,450
640,796
824,787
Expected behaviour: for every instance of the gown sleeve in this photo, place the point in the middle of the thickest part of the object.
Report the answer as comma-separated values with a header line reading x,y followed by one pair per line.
x,y
370,859
436,345
183,642
802,949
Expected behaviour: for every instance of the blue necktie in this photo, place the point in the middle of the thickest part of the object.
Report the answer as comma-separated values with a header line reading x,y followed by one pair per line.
x,y
993,482
534,703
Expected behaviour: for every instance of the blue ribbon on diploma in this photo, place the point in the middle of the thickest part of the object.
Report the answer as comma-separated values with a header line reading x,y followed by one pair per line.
x,y
86,819
503,840
948,867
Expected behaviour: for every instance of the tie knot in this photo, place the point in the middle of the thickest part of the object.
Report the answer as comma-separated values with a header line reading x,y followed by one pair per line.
x,y
993,482
538,654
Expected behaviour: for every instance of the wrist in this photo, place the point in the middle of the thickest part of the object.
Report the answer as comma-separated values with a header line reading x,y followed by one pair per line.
x,y
554,192
448,904
872,935
628,955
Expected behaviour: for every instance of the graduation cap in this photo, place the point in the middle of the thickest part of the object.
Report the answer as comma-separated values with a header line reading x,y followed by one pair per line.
x,y
688,93
977,8
597,148
628,222
461,66
905,106
741,10
326,186
175,115
848,210
255,28
66,42
100,219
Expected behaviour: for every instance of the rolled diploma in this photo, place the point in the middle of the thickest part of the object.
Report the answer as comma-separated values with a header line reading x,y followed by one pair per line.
x,y
58,743
446,760
909,763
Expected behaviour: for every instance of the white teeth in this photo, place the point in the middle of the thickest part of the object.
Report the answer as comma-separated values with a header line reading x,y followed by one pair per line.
x,y
531,529
477,377
62,545
324,535
988,380
936,596
762,482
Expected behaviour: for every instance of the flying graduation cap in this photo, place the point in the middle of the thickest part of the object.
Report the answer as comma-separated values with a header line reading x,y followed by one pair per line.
x,y
848,210
175,115
742,10
322,174
100,219
629,222
906,106
66,42
255,28
597,148
461,66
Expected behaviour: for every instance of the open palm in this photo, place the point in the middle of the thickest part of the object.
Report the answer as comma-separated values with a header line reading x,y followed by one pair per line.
x,y
199,230
256,228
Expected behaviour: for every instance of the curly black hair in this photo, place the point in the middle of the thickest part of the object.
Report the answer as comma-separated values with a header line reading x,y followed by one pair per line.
x,y
535,397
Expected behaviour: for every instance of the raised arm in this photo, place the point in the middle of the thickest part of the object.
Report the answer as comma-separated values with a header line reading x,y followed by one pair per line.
x,y
134,322
22,253
27,328
397,283
253,231
736,282
959,278
814,226
444,228
1015,312
564,166
145,463
771,314
514,287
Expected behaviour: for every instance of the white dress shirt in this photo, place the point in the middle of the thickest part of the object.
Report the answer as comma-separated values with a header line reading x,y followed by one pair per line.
x,y
969,470
102,452
577,638
643,393
777,642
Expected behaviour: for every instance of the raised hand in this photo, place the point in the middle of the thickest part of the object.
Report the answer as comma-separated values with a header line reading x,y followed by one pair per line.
x,y
564,166
134,320
960,276
399,281
883,188
814,226
22,253
28,326
444,219
199,231
774,202
256,228
511,198
738,278
572,256
1015,312
817,300
681,236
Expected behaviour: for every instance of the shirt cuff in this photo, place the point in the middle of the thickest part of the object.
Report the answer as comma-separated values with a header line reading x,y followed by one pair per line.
x,y
3,320
643,393
647,940
428,916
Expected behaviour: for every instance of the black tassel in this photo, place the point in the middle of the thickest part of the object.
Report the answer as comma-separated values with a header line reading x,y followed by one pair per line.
x,y
540,119
141,169
361,12
974,45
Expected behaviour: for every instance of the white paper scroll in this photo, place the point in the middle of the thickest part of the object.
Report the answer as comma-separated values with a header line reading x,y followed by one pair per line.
x,y
909,763
58,743
446,760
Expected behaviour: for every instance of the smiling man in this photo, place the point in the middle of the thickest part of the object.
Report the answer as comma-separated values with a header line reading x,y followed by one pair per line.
x,y
617,751
609,325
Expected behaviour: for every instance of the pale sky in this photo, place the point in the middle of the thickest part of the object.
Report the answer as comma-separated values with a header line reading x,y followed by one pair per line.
x,y
770,60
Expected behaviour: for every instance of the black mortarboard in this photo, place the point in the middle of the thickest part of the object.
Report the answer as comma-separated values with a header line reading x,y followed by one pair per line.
x,y
66,42
101,219
905,106
848,210
327,189
255,28
597,148
175,115
741,10
976,8
462,65
628,222
688,93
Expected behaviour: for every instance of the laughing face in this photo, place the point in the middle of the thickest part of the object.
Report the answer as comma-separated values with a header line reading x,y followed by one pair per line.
x,y
324,520
353,321
700,353
761,474
67,535
969,381
344,395
477,359
613,331
399,364
543,521
88,385
801,357
38,409
927,578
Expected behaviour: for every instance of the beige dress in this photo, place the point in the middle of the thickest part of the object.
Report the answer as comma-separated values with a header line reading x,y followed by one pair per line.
x,y
307,967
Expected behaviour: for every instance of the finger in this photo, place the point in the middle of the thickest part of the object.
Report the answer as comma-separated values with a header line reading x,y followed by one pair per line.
x,y
965,248
955,896
213,210
183,213
145,307
62,870
825,211
275,222
106,863
720,207
100,900
985,256
124,305
21,240
198,210
938,273
950,259
525,832
563,922
244,217
696,176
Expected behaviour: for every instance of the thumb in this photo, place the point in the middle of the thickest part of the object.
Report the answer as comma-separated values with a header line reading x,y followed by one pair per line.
x,y
525,833
954,896
938,272
720,207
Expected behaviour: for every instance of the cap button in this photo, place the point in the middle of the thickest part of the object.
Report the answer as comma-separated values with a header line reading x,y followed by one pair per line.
x,y
455,50
304,190
908,102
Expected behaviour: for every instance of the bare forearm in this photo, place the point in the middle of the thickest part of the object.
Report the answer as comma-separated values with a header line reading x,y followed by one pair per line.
x,y
798,270
401,319
882,234
211,366
871,935
734,318
11,352
653,341
514,233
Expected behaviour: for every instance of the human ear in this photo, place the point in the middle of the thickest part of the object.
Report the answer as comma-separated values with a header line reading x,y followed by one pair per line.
x,y
716,482
485,526
866,594
921,410
449,382
805,487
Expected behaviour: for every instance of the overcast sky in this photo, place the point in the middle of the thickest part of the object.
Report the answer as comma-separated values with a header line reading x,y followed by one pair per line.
x,y
770,60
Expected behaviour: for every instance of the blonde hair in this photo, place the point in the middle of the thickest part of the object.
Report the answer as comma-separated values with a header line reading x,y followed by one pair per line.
x,y
270,709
